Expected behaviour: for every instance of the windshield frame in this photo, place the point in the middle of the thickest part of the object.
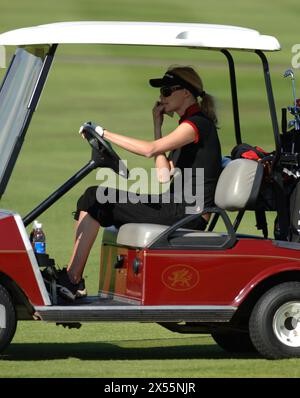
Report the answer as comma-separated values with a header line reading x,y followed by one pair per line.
x,y
19,95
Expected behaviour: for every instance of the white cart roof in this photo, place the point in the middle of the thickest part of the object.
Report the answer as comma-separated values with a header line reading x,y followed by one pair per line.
x,y
143,33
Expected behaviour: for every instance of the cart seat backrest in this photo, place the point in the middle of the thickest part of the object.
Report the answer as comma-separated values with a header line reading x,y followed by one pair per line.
x,y
239,185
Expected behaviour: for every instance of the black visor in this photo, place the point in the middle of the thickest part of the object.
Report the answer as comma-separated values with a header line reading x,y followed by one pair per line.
x,y
167,80
170,79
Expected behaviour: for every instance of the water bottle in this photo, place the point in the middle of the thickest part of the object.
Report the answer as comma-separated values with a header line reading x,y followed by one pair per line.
x,y
38,238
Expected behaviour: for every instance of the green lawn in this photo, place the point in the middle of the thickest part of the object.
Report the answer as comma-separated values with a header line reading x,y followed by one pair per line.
x,y
128,350
109,85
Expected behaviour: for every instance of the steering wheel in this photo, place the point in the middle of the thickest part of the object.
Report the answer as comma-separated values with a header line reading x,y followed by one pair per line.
x,y
103,153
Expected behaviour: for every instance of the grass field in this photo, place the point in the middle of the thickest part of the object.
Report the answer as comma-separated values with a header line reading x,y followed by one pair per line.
x,y
129,350
109,85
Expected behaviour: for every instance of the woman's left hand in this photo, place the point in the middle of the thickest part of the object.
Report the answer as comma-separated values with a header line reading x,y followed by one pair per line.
x,y
158,114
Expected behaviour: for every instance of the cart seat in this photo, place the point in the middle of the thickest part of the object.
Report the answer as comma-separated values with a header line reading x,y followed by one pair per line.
x,y
237,190
141,235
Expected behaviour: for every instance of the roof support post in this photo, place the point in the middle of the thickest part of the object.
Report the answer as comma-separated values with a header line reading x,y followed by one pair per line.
x,y
235,105
281,196
271,102
42,78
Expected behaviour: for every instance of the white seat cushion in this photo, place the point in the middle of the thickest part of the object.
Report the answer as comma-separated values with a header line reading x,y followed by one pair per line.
x,y
141,235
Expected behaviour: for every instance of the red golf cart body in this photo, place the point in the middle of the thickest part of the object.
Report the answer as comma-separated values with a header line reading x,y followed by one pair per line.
x,y
187,281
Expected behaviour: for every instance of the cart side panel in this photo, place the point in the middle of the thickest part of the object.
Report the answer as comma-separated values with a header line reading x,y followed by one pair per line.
x,y
213,278
17,259
117,276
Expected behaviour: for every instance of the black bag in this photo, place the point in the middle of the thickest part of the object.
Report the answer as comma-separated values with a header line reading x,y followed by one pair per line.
x,y
290,141
295,214
247,151
256,153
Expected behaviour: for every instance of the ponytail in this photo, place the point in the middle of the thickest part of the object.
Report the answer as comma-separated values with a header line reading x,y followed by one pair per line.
x,y
208,107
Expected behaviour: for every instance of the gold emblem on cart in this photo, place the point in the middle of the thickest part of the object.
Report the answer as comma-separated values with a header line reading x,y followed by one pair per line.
x,y
180,277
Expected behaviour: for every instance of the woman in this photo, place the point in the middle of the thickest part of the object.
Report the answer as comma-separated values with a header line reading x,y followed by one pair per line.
x,y
194,144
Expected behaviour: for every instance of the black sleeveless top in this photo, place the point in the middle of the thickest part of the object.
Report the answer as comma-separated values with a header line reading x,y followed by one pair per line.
x,y
204,153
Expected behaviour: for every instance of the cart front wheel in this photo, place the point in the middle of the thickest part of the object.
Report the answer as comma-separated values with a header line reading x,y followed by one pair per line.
x,y
8,320
275,322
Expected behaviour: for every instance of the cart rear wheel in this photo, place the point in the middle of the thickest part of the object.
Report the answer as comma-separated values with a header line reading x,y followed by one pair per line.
x,y
8,320
275,322
233,341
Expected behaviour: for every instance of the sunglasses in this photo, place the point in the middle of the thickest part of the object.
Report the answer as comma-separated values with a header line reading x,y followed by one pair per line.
x,y
166,91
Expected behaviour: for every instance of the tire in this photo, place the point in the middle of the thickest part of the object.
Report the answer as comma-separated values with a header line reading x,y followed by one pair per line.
x,y
275,322
233,341
8,319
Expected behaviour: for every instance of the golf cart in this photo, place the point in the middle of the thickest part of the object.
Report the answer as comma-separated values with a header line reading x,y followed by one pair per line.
x,y
244,290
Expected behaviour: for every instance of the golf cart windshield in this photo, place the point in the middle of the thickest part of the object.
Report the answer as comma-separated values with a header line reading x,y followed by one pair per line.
x,y
17,105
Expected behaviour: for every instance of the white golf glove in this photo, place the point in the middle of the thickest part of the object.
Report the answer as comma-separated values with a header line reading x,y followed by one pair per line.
x,y
98,129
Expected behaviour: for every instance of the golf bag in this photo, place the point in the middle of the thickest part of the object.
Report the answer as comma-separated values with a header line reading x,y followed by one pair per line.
x,y
280,190
266,198
295,214
290,165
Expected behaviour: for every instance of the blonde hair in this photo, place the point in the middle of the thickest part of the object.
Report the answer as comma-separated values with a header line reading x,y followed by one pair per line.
x,y
207,103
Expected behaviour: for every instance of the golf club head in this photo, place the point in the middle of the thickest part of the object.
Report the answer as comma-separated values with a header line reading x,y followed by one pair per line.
x,y
289,73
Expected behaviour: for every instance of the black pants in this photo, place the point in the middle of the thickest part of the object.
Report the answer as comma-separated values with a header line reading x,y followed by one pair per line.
x,y
118,213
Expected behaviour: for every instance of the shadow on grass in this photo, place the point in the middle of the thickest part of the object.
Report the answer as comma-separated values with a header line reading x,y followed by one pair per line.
x,y
107,351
